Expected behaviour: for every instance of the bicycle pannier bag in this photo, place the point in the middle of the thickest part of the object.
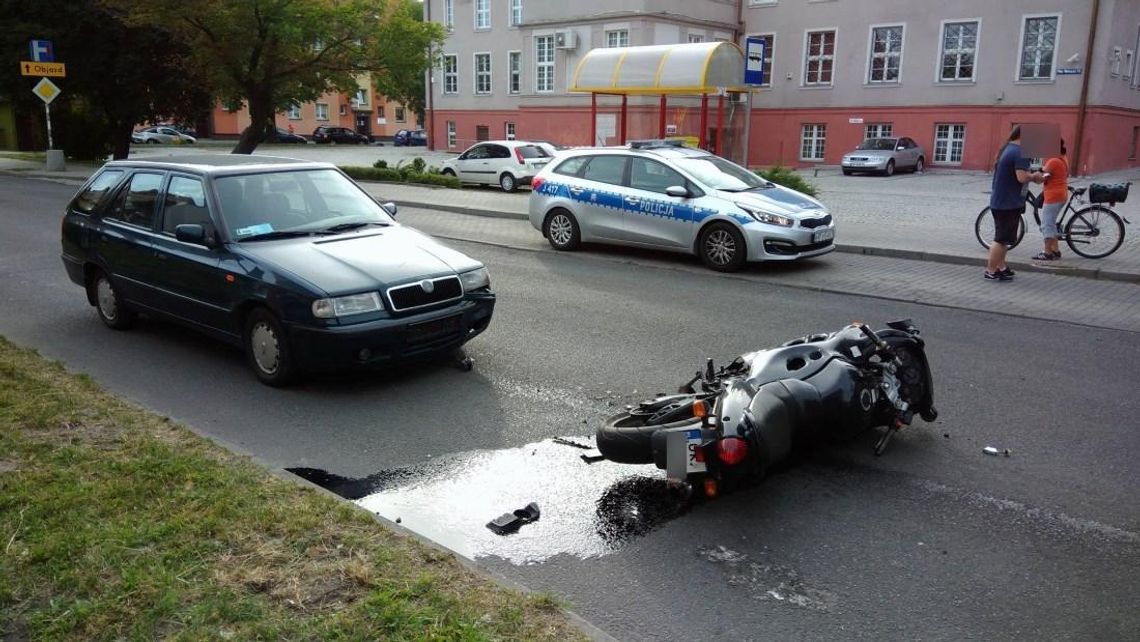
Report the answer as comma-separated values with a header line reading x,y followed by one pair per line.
x,y
1099,193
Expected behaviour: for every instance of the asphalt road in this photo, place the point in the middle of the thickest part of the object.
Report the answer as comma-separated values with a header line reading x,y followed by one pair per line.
x,y
935,540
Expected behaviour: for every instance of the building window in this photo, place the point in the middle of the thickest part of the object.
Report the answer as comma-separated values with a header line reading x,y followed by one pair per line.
x,y
514,69
449,14
812,142
482,14
401,114
1038,47
482,73
451,74
451,133
878,130
510,133
380,111
1128,64
322,111
361,98
515,17
696,37
949,140
294,112
959,45
886,54
760,3
1116,59
618,38
544,63
819,58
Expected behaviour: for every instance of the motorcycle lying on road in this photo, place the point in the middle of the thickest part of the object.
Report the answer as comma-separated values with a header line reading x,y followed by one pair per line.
x,y
759,411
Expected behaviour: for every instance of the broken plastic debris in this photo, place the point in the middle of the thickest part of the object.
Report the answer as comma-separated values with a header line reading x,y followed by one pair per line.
x,y
589,459
990,450
508,523
566,442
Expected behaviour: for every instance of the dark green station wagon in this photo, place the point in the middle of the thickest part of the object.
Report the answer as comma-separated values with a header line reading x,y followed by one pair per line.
x,y
290,260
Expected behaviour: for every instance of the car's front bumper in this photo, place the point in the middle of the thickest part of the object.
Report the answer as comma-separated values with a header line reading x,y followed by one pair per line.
x,y
870,164
768,243
393,339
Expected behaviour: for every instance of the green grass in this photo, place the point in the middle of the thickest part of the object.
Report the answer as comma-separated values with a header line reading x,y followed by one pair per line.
x,y
117,524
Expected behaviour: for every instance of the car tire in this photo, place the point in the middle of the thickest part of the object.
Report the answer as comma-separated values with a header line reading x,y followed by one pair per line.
x,y
151,141
113,312
267,349
448,172
508,182
920,165
890,170
847,172
562,231
721,247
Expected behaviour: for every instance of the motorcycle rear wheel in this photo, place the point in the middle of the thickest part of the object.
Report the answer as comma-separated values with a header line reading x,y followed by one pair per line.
x,y
625,437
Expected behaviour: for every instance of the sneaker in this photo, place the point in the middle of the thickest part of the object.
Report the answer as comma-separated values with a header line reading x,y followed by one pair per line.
x,y
1007,272
1057,255
1046,256
997,276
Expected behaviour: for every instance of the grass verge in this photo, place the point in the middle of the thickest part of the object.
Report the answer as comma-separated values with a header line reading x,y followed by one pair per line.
x,y
119,524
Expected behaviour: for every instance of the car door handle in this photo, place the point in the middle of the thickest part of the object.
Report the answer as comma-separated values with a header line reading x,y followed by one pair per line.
x,y
576,190
632,201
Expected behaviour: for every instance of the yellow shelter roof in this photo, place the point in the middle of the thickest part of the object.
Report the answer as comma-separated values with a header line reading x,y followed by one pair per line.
x,y
692,68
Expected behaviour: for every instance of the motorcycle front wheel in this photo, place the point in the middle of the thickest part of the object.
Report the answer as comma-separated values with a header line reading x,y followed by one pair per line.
x,y
625,438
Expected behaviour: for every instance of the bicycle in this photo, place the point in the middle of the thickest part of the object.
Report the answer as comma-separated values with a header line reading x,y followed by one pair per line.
x,y
1094,231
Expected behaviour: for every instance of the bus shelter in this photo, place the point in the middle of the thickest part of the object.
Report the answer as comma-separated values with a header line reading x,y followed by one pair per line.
x,y
701,69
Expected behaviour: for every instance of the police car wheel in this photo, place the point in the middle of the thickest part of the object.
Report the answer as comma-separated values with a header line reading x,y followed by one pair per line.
x,y
562,230
722,248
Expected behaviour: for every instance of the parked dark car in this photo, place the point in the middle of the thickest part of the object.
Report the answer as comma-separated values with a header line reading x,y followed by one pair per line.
x,y
410,138
290,260
284,136
342,135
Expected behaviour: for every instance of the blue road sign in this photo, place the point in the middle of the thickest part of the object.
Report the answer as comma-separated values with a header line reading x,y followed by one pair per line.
x,y
753,61
41,51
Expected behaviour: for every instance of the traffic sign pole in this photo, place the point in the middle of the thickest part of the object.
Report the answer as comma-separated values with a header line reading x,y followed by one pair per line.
x,y
47,117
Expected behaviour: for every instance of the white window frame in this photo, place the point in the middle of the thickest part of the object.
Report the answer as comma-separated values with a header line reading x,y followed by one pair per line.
x,y
482,11
806,58
761,3
1135,84
322,110
617,38
942,52
449,14
360,98
452,75
871,55
514,13
1021,48
1129,64
294,111
1115,61
451,133
480,73
514,72
818,139
509,131
540,65
949,140
881,130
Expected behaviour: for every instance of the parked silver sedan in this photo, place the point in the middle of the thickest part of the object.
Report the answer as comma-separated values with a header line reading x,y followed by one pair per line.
x,y
661,196
158,134
885,156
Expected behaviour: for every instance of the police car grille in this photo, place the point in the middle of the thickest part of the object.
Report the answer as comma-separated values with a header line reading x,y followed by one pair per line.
x,y
407,297
816,222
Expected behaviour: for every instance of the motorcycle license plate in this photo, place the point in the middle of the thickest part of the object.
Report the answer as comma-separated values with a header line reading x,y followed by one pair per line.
x,y
693,443
823,235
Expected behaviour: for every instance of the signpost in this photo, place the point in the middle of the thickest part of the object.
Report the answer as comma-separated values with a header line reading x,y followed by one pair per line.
x,y
753,76
43,64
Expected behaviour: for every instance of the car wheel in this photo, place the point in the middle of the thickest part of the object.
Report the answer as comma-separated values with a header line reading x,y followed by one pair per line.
x,y
508,182
112,311
722,248
151,141
919,165
448,172
847,172
562,230
267,348
890,170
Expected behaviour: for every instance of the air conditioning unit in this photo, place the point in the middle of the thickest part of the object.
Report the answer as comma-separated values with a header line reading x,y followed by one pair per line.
x,y
566,39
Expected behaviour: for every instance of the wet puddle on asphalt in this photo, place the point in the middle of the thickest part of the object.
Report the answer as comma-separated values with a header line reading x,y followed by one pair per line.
x,y
587,509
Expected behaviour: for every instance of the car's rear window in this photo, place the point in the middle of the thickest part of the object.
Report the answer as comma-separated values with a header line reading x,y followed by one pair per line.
x,y
532,151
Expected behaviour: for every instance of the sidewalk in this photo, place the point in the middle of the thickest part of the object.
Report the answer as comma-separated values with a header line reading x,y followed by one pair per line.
x,y
926,217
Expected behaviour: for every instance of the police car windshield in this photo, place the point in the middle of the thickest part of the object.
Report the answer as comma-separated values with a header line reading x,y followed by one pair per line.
x,y
717,173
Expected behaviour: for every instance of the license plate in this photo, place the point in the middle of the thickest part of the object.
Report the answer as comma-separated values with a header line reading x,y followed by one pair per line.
x,y
823,235
693,443
428,330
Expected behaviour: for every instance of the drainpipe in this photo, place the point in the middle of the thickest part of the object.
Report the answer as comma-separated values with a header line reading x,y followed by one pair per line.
x,y
430,84
1084,103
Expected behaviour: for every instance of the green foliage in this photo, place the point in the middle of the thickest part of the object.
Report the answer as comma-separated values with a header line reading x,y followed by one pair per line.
x,y
382,164
781,175
411,46
434,179
84,134
406,174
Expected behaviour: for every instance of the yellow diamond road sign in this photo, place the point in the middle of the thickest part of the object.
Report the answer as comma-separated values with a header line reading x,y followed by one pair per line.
x,y
46,90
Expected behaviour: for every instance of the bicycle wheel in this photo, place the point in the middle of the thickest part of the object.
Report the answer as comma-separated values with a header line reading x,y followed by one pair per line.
x,y
1094,232
984,229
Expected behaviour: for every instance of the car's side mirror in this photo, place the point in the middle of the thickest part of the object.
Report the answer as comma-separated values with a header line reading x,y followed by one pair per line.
x,y
391,207
193,233
677,191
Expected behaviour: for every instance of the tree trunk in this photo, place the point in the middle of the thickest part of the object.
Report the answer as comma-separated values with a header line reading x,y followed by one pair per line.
x,y
261,123
121,139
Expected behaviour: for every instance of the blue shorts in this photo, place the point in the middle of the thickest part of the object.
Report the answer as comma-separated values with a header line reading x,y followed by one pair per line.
x,y
1049,219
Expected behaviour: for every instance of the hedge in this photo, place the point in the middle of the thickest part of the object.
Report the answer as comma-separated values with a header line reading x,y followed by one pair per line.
x,y
391,175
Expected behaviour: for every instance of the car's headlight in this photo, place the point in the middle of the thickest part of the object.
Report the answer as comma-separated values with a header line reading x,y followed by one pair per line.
x,y
475,279
343,306
766,217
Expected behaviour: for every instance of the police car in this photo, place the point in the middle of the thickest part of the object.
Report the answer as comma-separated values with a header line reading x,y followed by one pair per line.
x,y
656,194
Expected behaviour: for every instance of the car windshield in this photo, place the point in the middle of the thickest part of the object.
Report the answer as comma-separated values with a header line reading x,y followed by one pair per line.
x,y
878,144
276,204
718,173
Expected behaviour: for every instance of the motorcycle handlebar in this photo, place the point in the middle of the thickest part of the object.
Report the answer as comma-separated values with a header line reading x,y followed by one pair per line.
x,y
880,345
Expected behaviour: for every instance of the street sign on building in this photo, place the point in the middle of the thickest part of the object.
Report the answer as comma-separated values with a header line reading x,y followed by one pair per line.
x,y
33,68
753,61
46,90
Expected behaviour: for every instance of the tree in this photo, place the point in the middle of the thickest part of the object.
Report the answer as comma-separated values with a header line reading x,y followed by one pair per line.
x,y
407,55
110,87
270,54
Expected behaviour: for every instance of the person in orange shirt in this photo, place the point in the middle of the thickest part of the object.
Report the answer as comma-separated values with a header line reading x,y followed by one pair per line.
x,y
1055,194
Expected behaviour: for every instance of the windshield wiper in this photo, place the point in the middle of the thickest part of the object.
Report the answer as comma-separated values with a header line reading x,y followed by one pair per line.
x,y
278,234
345,227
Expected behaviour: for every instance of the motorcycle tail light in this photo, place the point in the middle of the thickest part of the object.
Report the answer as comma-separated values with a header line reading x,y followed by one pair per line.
x,y
710,488
732,450
700,409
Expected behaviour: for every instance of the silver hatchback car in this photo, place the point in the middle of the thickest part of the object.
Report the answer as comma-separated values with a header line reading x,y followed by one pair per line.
x,y
657,195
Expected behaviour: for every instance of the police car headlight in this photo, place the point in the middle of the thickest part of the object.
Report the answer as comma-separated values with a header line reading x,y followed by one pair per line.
x,y
475,279
343,306
766,217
